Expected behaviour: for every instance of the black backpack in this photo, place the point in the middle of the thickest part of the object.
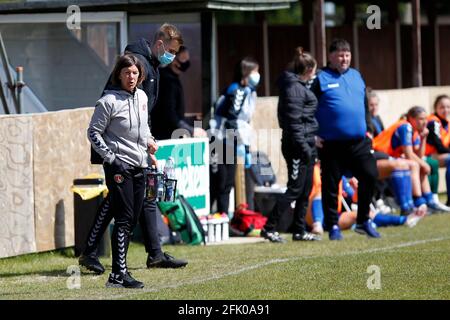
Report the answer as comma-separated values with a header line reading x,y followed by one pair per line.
x,y
261,170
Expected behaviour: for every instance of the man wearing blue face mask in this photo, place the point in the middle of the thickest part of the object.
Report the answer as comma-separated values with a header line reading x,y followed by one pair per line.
x,y
168,114
166,43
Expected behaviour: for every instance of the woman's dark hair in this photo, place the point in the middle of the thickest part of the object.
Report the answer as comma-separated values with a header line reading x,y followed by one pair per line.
x,y
125,61
244,68
438,99
415,111
302,61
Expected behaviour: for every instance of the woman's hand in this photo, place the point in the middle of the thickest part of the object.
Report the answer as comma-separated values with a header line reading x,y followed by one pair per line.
x,y
152,147
424,133
153,161
319,142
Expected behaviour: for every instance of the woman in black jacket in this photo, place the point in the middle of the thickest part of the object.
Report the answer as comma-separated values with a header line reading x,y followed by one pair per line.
x,y
296,108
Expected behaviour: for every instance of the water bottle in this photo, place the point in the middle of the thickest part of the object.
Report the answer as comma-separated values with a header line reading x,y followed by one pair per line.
x,y
218,227
211,229
225,227
160,185
169,172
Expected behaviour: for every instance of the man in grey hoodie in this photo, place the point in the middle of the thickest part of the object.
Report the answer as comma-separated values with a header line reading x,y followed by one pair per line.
x,y
166,43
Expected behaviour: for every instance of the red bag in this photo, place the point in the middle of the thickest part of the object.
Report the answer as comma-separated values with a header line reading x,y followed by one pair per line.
x,y
247,220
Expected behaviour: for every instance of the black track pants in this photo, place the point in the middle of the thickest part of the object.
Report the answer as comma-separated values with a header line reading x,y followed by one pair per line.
x,y
338,158
300,175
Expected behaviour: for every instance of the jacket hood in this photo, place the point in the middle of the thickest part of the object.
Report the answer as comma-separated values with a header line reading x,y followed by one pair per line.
x,y
143,47
287,77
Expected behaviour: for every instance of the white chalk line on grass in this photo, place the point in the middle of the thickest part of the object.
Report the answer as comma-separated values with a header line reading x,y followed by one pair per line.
x,y
275,261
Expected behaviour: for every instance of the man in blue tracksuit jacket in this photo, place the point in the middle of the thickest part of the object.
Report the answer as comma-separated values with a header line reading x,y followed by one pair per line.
x,y
343,145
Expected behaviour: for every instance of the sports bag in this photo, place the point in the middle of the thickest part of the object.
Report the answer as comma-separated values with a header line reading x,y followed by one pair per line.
x,y
247,220
183,219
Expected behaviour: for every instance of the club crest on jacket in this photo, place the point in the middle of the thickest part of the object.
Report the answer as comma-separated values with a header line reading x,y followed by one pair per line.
x,y
118,178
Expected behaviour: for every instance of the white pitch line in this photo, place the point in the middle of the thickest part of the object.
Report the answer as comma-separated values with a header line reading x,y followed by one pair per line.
x,y
274,261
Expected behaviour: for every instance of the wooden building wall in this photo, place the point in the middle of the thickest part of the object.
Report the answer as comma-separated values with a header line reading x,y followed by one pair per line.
x,y
377,53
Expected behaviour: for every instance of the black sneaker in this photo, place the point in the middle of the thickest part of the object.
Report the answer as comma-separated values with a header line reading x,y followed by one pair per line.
x,y
306,236
91,263
165,261
272,236
123,280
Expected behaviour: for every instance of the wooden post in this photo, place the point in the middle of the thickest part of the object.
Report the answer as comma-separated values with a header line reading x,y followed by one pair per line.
x,y
393,15
307,11
398,54
262,21
432,22
319,32
417,50
350,12
308,20
209,43
393,18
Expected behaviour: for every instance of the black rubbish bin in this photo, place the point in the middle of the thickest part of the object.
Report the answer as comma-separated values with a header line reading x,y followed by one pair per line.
x,y
85,212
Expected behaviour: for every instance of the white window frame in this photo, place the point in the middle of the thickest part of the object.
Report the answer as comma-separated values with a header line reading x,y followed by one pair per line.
x,y
120,17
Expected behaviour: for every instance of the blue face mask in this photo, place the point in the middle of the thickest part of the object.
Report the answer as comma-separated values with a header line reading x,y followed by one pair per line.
x,y
166,58
253,79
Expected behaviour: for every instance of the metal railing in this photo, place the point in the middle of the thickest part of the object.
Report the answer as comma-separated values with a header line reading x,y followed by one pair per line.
x,y
15,86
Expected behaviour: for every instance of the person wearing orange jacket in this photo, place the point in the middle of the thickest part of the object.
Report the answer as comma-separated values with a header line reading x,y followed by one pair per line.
x,y
438,141
407,139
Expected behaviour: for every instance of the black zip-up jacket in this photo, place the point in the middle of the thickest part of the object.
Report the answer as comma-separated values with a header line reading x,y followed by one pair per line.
x,y
434,135
169,109
296,112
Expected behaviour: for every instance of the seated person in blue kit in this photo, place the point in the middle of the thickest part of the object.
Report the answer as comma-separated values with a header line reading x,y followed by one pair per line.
x,y
407,139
